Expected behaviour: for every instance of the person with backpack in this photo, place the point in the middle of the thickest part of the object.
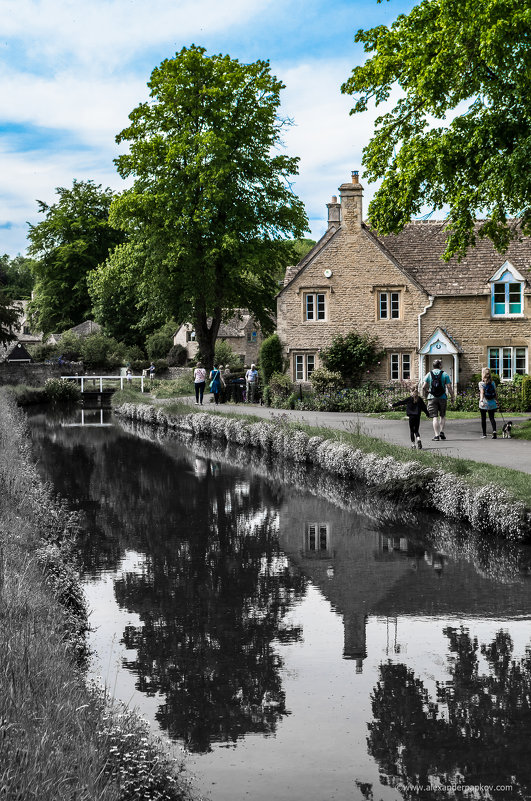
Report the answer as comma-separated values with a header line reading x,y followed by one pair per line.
x,y
438,385
488,402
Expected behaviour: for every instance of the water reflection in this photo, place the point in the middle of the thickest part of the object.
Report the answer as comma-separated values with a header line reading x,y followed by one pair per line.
x,y
475,732
227,545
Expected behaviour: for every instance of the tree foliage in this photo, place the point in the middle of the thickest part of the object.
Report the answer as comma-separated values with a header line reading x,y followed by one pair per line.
x,y
460,133
9,317
117,303
72,240
17,276
351,355
211,200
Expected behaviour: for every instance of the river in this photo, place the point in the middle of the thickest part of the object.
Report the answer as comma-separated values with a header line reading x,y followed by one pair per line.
x,y
296,648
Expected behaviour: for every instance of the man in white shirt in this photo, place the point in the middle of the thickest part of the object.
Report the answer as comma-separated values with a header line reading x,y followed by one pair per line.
x,y
251,384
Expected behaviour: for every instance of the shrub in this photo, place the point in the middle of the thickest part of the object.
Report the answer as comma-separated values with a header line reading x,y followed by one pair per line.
x,y
41,353
59,391
178,356
526,393
325,381
223,354
160,342
280,389
271,359
352,355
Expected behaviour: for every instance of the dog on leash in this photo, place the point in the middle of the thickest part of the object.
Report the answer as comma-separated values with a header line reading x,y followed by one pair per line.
x,y
506,430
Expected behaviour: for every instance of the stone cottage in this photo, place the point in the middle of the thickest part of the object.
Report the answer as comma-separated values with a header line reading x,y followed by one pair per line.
x,y
469,313
241,332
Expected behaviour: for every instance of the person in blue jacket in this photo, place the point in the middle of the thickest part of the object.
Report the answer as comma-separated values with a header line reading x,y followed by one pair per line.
x,y
215,383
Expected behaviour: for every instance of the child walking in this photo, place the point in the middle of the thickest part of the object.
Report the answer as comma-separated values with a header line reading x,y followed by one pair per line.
x,y
414,407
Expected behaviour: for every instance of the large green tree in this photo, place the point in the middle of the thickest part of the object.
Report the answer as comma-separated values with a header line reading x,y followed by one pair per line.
x,y
72,240
211,199
459,135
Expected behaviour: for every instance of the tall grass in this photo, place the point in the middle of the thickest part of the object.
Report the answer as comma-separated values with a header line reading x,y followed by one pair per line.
x,y
59,738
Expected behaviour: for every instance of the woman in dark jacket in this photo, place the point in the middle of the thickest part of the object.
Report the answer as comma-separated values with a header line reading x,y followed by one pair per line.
x,y
414,407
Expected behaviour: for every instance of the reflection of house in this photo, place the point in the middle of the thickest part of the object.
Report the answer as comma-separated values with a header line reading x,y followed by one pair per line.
x,y
364,571
397,288
241,332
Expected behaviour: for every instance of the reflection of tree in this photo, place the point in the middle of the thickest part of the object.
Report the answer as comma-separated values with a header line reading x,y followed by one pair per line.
x,y
212,600
476,733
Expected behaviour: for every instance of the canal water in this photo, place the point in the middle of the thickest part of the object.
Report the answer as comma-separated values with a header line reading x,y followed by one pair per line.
x,y
297,641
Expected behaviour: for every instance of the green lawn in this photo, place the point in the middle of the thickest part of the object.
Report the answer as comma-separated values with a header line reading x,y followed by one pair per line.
x,y
449,414
523,431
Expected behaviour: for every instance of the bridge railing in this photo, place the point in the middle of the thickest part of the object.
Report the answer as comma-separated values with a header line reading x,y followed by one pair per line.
x,y
84,379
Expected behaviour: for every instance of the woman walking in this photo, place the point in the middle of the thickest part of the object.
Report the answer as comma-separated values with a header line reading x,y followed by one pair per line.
x,y
199,383
487,402
215,383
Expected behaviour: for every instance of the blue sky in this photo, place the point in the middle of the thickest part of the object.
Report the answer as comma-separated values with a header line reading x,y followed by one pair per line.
x,y
71,72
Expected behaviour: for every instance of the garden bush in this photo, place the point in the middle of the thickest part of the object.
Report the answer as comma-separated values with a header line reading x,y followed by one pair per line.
x,y
325,382
177,357
160,342
280,389
271,359
526,394
352,355
59,391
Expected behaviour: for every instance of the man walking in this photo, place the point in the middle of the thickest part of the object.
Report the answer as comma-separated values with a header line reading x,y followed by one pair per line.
x,y
438,384
251,384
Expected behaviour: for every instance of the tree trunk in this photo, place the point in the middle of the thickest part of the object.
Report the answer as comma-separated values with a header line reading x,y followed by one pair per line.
x,y
206,336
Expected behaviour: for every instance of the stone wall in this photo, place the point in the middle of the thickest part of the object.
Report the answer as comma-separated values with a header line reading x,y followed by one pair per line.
x,y
34,375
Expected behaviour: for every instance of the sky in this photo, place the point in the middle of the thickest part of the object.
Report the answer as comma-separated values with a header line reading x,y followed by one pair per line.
x,y
71,72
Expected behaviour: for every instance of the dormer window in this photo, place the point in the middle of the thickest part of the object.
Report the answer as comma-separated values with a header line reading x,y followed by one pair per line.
x,y
507,292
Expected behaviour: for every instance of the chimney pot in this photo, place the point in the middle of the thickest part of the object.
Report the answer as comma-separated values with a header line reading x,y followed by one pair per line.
x,y
334,198
355,177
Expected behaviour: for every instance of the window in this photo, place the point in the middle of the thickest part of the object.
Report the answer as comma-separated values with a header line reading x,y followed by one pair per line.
x,y
388,305
400,366
251,336
507,292
304,366
507,362
317,537
314,306
190,336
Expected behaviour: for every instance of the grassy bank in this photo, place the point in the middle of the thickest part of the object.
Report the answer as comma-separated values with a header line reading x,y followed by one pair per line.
x,y
59,738
476,474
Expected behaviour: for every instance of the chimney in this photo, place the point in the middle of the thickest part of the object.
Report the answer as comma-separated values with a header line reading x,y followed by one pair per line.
x,y
334,213
351,203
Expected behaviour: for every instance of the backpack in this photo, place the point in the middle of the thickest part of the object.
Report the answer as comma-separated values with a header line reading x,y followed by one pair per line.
x,y
490,390
437,388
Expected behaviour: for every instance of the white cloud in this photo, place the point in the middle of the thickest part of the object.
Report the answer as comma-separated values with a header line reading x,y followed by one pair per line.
x,y
110,32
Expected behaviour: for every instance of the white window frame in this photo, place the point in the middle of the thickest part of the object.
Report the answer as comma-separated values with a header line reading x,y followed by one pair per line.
x,y
400,366
303,366
503,284
314,307
504,363
389,305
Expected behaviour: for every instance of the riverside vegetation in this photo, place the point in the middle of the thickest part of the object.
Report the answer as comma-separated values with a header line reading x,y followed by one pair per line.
x,y
60,738
462,492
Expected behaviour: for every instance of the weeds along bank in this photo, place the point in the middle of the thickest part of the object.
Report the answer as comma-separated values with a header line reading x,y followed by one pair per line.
x,y
59,738
487,508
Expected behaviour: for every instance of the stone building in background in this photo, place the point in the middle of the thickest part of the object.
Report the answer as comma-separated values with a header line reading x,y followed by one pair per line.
x,y
469,313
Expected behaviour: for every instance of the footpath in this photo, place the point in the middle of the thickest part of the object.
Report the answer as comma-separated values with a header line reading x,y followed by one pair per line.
x,y
463,436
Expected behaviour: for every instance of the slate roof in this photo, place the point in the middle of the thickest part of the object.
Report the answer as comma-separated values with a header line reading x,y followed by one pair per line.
x,y
419,247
